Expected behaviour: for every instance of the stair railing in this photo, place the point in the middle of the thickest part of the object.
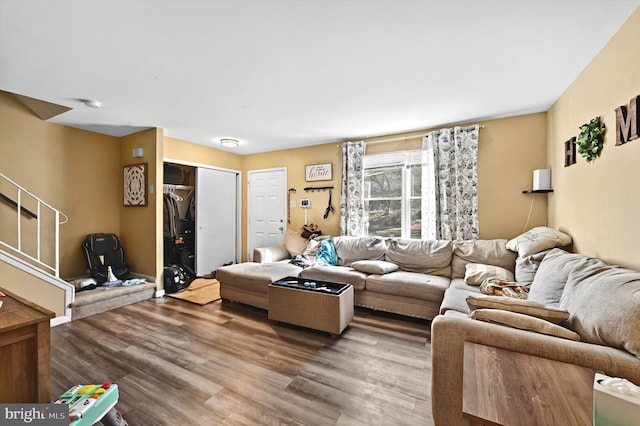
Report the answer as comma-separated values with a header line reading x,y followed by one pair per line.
x,y
21,210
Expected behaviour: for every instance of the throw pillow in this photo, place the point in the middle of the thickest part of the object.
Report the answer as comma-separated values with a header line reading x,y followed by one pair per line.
x,y
526,307
488,252
476,273
374,266
537,240
327,252
523,322
526,267
294,243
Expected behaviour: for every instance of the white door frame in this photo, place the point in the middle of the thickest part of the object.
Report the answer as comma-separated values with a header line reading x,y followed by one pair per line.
x,y
284,198
238,198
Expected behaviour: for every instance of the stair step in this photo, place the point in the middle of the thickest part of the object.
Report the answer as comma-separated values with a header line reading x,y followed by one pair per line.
x,y
102,299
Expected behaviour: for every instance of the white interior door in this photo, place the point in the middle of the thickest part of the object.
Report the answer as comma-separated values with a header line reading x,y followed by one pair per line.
x,y
266,207
216,219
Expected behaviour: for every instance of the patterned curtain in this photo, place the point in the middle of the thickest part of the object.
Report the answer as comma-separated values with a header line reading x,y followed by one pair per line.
x,y
450,184
352,201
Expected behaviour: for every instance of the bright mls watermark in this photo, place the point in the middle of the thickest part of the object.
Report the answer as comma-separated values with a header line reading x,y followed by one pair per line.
x,y
34,414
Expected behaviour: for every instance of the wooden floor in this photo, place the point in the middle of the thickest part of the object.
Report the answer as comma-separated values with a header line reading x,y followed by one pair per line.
x,y
178,363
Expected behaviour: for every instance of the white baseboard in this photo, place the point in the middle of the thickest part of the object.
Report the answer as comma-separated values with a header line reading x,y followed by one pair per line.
x,y
159,293
54,322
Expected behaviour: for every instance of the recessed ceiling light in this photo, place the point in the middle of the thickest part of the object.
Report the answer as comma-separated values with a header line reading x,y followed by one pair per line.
x,y
229,143
92,104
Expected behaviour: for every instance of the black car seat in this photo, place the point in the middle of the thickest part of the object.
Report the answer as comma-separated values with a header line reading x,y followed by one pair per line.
x,y
101,251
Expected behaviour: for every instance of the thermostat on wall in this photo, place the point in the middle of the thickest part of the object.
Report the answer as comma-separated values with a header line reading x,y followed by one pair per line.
x,y
305,203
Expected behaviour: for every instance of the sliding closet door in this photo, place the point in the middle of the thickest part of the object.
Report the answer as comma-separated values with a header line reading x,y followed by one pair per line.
x,y
216,219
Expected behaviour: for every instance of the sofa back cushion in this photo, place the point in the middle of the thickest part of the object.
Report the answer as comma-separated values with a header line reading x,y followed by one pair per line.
x,y
427,257
604,305
488,252
553,272
527,266
351,249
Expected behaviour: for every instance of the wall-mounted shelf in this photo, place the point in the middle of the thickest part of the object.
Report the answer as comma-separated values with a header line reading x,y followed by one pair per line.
x,y
537,191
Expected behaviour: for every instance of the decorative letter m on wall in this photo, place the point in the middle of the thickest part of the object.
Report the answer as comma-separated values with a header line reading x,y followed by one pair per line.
x,y
628,121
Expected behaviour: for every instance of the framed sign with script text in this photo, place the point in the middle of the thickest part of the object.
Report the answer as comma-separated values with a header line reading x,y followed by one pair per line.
x,y
314,172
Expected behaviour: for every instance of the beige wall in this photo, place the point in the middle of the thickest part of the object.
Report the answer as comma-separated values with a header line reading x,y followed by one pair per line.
x,y
80,173
76,171
139,225
295,160
31,288
509,149
598,203
190,153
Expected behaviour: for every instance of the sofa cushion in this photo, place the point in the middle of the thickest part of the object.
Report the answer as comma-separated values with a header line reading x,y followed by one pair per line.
x,y
555,315
409,284
527,266
523,322
294,243
604,302
255,276
476,273
374,266
427,257
538,239
488,252
336,274
455,298
553,273
351,249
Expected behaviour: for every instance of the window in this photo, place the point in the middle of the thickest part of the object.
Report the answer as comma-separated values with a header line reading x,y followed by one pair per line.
x,y
392,194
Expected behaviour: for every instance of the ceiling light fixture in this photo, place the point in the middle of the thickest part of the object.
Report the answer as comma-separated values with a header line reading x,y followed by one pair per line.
x,y
229,143
92,104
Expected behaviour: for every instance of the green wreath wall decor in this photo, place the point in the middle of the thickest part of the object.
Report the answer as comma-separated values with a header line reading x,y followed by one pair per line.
x,y
590,139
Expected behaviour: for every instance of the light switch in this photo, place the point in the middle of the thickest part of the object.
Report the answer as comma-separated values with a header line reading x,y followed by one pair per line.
x,y
292,204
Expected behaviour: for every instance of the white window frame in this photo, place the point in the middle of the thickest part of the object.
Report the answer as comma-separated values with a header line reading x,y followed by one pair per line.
x,y
404,159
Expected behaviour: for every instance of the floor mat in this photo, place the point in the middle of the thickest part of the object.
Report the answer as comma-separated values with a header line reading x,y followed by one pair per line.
x,y
201,291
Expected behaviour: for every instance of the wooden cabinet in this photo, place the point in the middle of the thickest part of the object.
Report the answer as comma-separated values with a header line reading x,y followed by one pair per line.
x,y
25,354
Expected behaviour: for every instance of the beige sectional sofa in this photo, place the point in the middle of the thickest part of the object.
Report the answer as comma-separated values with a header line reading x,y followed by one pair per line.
x,y
408,277
595,307
602,331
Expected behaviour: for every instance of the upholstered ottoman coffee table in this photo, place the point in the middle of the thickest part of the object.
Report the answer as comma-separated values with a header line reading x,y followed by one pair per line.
x,y
320,305
248,282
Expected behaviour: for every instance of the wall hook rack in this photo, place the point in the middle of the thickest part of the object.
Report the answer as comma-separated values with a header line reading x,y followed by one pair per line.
x,y
318,188
292,190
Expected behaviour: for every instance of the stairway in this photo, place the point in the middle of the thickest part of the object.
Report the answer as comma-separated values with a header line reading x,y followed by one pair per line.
x,y
28,275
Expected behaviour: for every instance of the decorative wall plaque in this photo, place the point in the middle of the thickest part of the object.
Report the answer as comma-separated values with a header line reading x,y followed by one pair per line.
x,y
134,193
314,172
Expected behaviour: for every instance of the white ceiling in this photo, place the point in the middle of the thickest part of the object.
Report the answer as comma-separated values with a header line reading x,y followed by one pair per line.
x,y
277,74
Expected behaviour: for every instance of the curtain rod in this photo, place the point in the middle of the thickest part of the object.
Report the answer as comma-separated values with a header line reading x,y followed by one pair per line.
x,y
417,136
